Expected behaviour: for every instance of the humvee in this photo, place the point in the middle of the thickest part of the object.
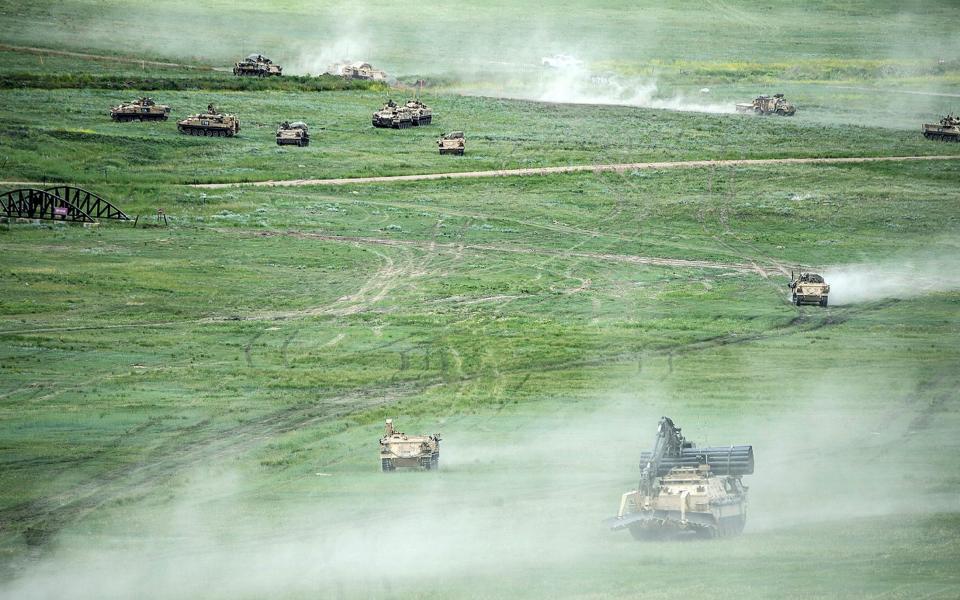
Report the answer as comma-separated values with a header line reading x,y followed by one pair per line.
x,y
809,288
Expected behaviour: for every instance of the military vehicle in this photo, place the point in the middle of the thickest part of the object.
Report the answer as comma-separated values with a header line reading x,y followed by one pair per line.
x,y
809,288
210,123
393,115
422,114
257,65
686,490
358,70
399,450
141,109
768,105
293,134
452,143
947,131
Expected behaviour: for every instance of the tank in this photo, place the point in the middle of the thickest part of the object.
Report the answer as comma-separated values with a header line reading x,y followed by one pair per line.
x,y
399,450
257,65
393,115
452,143
358,70
293,134
210,123
768,105
422,114
141,109
948,130
808,288
685,490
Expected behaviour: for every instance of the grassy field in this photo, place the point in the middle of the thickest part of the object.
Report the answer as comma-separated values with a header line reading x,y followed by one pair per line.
x,y
192,409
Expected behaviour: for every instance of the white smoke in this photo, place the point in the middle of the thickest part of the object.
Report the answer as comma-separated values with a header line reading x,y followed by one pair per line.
x,y
909,277
575,84
351,43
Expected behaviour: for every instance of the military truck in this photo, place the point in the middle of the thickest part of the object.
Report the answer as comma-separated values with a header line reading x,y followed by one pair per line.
x,y
421,113
141,109
358,70
293,134
808,288
686,490
768,105
257,65
393,115
948,130
452,143
399,450
210,123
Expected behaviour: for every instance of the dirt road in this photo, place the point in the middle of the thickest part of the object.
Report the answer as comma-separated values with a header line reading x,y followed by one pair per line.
x,y
601,168
102,57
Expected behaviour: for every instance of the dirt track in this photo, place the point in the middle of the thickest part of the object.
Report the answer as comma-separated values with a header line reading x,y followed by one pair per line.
x,y
616,168
103,57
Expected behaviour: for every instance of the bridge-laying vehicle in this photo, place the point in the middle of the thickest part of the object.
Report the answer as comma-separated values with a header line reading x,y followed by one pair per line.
x,y
141,109
808,288
210,123
768,105
452,143
686,490
257,65
293,134
948,130
399,450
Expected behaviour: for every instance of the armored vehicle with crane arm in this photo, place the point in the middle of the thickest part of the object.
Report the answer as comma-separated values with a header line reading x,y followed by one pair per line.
x,y
684,489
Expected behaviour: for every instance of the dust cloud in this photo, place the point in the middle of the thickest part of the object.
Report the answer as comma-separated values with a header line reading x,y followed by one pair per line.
x,y
907,277
509,501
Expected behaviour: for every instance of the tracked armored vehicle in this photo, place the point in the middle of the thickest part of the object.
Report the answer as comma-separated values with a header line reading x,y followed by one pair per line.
x,y
257,65
293,134
393,116
358,70
768,105
808,288
686,490
420,112
210,123
141,109
452,143
399,450
948,130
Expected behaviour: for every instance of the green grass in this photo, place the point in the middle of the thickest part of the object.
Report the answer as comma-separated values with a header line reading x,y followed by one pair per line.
x,y
192,410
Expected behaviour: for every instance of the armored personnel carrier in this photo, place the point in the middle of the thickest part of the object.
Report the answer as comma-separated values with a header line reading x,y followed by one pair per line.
x,y
421,113
358,70
210,123
808,288
399,450
948,130
768,105
141,109
293,134
257,65
684,489
452,143
392,115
